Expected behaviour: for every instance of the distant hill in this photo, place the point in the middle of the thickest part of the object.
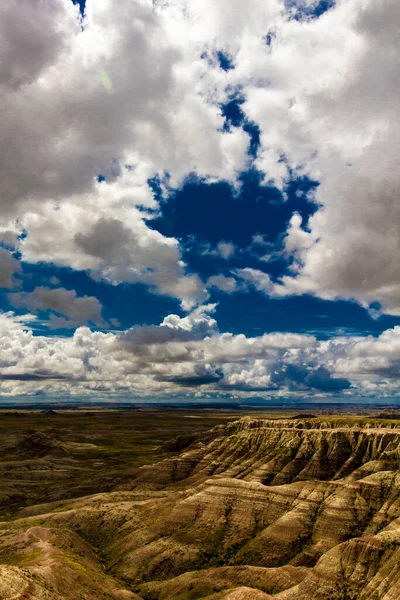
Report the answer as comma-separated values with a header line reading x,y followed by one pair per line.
x,y
40,444
304,416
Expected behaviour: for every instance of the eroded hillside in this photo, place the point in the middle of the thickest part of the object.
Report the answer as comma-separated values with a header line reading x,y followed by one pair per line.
x,y
252,509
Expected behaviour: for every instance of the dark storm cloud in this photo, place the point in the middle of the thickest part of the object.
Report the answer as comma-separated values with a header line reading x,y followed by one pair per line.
x,y
196,380
30,376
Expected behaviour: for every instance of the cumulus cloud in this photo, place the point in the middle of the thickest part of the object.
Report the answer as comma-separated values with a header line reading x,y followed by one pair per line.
x,y
254,278
56,100
153,340
202,375
325,95
320,378
223,283
78,104
198,322
106,234
34,34
189,353
186,352
67,309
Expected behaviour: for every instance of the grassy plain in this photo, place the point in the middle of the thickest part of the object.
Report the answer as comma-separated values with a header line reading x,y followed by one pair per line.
x,y
85,451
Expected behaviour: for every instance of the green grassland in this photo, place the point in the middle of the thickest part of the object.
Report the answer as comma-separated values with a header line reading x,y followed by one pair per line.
x,y
97,445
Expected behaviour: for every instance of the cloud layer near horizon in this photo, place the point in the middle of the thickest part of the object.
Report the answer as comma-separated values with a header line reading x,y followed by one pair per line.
x,y
189,352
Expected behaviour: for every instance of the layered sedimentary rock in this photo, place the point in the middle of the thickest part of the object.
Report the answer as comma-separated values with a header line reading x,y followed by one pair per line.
x,y
279,452
257,509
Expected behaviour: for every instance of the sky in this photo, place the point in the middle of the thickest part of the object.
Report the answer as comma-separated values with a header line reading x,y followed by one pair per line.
x,y
200,200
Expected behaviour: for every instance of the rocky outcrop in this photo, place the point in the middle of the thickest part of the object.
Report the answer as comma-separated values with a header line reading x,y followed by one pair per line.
x,y
256,509
277,493
280,452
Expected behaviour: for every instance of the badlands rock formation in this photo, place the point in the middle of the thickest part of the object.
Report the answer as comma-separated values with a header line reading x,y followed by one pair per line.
x,y
255,509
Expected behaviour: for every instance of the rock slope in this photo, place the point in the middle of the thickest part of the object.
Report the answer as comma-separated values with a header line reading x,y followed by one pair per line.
x,y
305,509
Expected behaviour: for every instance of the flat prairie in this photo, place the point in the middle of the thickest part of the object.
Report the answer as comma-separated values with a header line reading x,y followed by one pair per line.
x,y
53,454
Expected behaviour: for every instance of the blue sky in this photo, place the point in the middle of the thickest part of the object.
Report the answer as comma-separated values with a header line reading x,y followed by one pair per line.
x,y
201,215
200,204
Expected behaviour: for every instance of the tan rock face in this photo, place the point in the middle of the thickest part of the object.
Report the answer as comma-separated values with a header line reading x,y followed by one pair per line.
x,y
259,509
278,452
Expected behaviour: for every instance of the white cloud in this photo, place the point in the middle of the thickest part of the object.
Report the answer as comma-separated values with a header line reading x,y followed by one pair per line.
x,y
226,250
198,320
77,103
257,279
297,240
189,352
229,285
106,234
326,96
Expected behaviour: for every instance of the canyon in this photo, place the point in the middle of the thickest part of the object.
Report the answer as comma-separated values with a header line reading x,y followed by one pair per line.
x,y
248,508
